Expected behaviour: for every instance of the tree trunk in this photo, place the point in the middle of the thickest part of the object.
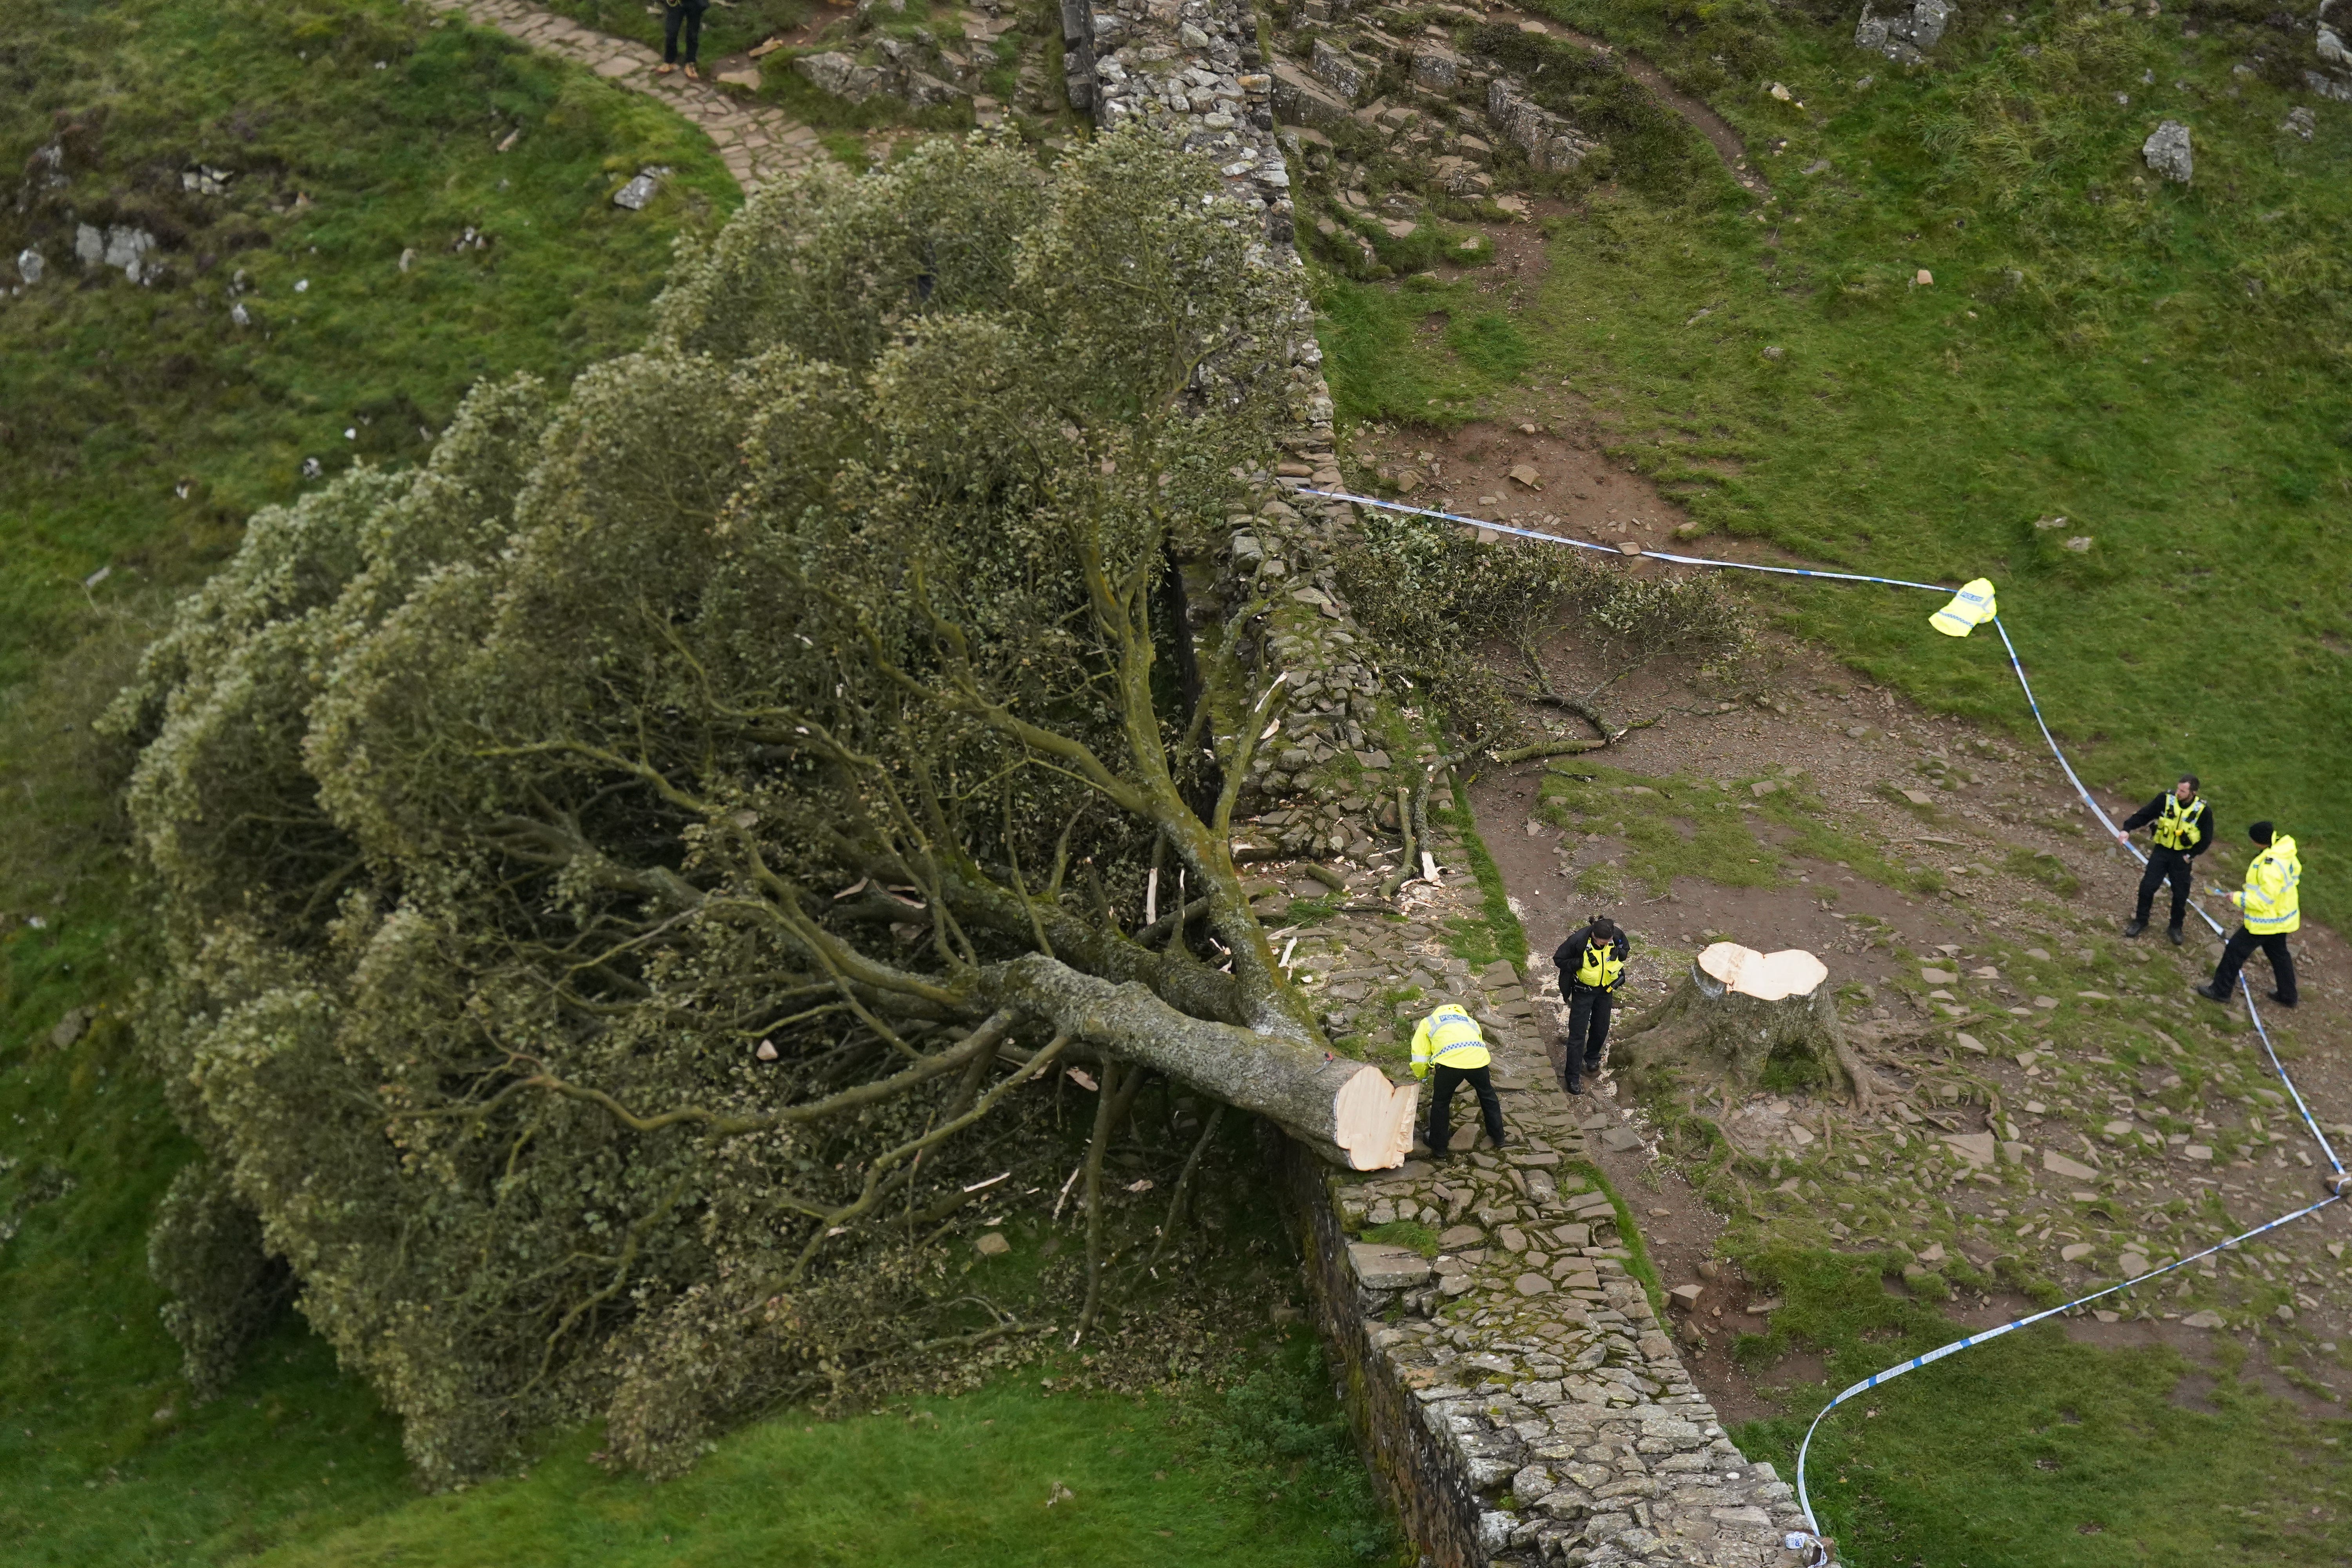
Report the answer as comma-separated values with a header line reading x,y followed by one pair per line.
x,y
1346,1110
1743,1019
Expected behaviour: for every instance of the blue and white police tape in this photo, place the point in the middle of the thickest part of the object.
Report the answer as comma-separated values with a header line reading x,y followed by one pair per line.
x,y
1613,550
1815,1549
1940,1352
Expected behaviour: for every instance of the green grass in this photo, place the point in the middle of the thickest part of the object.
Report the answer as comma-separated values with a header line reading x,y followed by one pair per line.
x,y
1011,1475
2161,366
142,426
2031,1450
1410,1234
1500,935
1381,351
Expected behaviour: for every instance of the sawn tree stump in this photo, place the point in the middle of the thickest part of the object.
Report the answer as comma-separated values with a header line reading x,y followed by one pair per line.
x,y
1743,1019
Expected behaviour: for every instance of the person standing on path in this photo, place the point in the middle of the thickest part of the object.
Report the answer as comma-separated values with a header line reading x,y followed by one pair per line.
x,y
2183,829
687,14
1448,1043
1592,964
2271,909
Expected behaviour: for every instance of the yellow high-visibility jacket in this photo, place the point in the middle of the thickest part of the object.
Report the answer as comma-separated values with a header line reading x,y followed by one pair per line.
x,y
1448,1037
2269,901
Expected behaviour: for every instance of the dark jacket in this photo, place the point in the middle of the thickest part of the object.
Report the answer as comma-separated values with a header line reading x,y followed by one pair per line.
x,y
2208,828
1569,956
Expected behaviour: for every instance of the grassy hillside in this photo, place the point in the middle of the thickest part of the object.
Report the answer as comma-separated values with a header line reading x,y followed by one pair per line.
x,y
2164,368
139,424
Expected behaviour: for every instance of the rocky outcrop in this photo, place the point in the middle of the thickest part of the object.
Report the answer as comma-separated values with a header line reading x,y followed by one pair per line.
x,y
128,250
1904,35
840,75
2334,77
1550,142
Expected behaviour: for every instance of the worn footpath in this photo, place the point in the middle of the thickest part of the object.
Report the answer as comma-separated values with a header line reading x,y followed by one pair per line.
x,y
757,143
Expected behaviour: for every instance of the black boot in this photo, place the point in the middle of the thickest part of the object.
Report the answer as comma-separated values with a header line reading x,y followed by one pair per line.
x,y
1573,1082
2138,924
2281,1000
2173,931
2211,995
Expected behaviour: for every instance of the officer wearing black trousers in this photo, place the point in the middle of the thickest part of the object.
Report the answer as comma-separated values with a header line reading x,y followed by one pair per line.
x,y
1592,964
2184,827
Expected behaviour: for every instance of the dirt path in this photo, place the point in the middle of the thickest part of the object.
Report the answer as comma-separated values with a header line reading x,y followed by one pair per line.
x,y
2058,1070
757,143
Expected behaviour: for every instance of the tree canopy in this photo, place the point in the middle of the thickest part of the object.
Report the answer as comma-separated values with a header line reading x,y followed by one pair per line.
x,y
616,879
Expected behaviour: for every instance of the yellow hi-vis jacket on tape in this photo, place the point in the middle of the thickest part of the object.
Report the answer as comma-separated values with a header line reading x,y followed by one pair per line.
x,y
1972,608
2269,901
1448,1037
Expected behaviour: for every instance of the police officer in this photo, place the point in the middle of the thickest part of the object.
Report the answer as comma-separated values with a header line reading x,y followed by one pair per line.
x,y
1592,964
2271,907
1448,1042
2183,829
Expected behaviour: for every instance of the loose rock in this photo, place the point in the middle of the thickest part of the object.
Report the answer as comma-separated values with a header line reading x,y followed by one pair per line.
x,y
2167,150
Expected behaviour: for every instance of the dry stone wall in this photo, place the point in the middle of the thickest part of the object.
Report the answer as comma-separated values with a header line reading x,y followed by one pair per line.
x,y
1516,1393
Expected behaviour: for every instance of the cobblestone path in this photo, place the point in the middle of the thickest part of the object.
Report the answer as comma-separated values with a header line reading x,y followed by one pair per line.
x,y
757,142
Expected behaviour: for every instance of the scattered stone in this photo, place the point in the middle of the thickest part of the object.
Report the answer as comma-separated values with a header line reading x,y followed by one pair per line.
x,y
31,265
1904,36
2167,150
2075,1252
2205,1319
2300,122
992,1245
71,1027
120,247
1976,1148
1525,474
638,193
2058,1165
747,79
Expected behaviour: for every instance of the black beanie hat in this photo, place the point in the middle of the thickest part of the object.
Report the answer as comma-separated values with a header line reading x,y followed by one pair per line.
x,y
2260,833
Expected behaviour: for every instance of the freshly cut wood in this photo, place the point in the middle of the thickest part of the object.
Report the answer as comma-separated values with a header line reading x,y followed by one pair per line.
x,y
1348,1111
1767,976
1741,1019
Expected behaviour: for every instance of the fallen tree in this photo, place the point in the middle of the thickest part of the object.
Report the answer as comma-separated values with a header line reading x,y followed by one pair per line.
x,y
619,879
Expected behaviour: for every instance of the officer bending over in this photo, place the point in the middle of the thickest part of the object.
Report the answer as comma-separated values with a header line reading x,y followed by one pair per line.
x,y
1448,1042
